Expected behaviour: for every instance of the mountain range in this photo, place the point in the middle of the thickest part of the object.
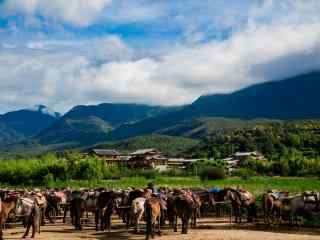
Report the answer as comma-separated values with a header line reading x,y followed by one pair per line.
x,y
291,98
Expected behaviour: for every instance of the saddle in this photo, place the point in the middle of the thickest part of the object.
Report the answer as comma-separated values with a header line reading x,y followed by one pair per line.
x,y
277,195
310,197
40,199
245,195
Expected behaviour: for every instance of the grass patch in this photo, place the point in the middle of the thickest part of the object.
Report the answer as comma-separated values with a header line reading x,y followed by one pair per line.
x,y
256,185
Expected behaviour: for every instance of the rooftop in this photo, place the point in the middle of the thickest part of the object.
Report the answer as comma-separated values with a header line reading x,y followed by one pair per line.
x,y
145,151
106,152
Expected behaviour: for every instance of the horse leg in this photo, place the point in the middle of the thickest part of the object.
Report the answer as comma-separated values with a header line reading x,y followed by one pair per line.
x,y
175,223
237,213
97,217
1,232
27,230
137,222
102,221
109,222
195,218
65,214
183,221
185,225
159,224
33,229
127,216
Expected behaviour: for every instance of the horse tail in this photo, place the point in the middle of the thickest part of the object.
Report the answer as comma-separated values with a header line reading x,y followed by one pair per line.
x,y
148,210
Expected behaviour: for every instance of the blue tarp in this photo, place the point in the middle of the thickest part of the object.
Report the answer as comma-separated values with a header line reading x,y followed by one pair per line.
x,y
215,190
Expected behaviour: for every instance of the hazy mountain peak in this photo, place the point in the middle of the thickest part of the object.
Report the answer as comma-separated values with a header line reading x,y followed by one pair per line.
x,y
45,110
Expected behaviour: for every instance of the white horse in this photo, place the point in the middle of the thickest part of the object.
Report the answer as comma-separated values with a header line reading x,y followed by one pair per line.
x,y
137,211
302,204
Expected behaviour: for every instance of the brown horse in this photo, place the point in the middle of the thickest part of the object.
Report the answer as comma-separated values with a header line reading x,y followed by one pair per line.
x,y
272,206
196,209
153,215
180,206
241,199
6,206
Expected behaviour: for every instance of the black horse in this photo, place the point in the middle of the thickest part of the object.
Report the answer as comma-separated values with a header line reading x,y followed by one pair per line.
x,y
77,208
104,210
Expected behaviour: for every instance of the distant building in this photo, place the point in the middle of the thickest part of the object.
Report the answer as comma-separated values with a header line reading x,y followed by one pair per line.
x,y
180,163
237,158
110,156
248,155
148,158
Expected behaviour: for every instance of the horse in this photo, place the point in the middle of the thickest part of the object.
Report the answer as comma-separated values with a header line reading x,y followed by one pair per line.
x,y
241,199
61,201
303,204
28,207
205,201
91,202
137,211
196,209
52,209
104,210
153,215
6,206
272,206
77,208
132,195
180,205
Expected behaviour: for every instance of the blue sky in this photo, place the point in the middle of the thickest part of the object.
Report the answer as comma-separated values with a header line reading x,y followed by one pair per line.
x,y
161,52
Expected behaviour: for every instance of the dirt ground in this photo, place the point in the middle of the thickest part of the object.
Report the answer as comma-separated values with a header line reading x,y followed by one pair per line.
x,y
208,229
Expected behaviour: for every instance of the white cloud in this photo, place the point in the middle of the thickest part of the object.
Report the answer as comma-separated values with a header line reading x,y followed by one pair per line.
x,y
66,73
75,12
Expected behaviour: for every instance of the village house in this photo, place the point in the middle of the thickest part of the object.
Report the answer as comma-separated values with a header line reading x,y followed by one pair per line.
x,y
110,156
148,158
180,163
237,158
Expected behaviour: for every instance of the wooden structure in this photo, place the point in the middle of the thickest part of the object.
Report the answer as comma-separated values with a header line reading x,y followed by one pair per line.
x,y
237,158
148,158
110,156
180,163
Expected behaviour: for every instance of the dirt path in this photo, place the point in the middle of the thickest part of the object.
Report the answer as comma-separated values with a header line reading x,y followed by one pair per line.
x,y
208,229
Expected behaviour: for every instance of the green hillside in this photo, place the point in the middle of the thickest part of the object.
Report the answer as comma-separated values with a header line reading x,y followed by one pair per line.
x,y
9,135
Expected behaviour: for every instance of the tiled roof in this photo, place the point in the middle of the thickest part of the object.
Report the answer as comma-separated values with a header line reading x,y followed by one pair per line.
x,y
106,152
144,151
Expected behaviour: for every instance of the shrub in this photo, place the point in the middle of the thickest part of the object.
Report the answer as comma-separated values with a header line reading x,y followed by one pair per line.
x,y
48,180
212,173
146,173
174,173
244,173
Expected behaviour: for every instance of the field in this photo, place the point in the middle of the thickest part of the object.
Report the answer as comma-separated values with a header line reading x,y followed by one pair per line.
x,y
256,185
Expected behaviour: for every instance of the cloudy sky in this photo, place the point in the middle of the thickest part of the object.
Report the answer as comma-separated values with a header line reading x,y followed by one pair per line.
x,y
63,53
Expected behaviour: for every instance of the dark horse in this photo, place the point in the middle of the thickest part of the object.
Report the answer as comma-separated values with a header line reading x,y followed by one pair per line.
x,y
180,206
77,208
104,210
241,199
